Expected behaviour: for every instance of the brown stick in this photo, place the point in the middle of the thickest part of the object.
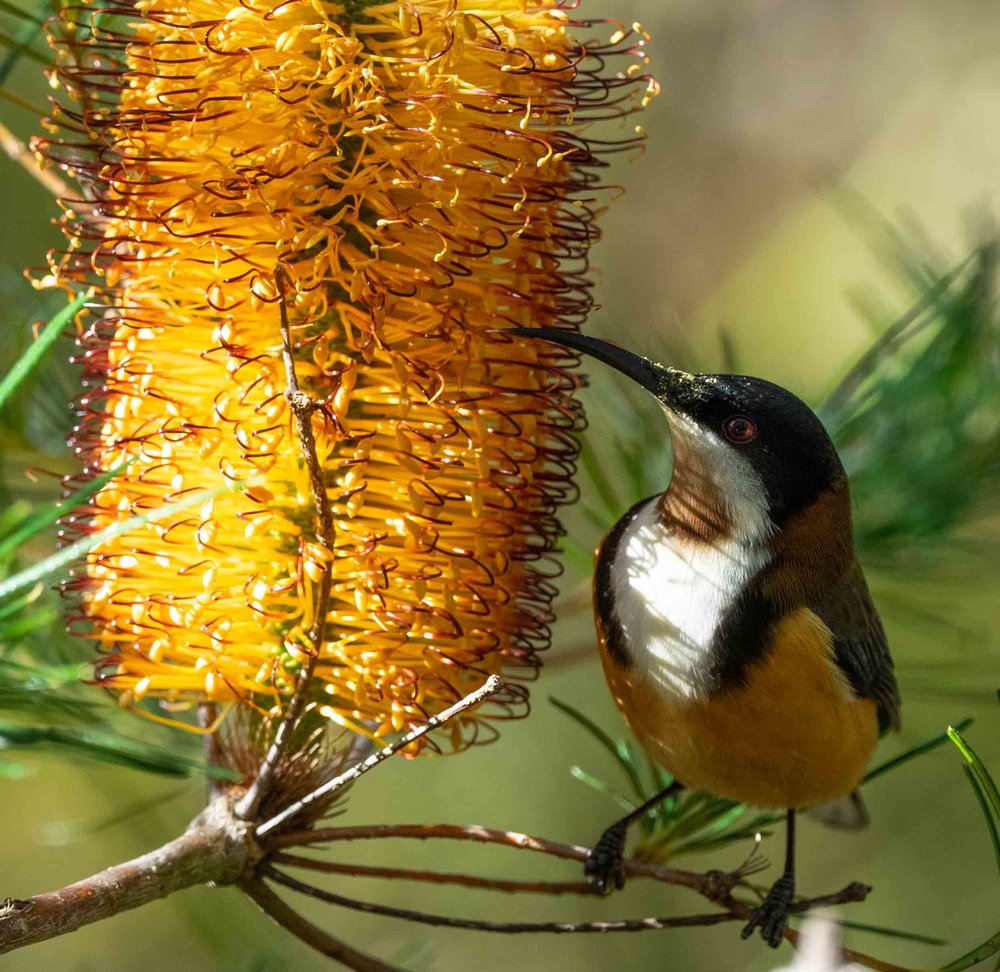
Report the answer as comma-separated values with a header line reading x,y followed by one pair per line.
x,y
714,885
506,927
735,909
306,931
437,877
213,849
220,849
706,884
303,407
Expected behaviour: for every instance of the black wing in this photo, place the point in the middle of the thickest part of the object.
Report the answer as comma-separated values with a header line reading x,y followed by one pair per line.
x,y
860,646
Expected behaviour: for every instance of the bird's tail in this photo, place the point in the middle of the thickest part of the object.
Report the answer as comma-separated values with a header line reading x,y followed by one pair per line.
x,y
845,813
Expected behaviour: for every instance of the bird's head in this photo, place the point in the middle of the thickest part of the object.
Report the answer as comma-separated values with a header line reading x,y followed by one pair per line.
x,y
762,448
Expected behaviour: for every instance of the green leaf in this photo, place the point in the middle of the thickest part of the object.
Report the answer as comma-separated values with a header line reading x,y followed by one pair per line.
x,y
36,351
608,743
43,518
109,748
17,604
887,932
14,629
594,783
913,753
889,341
990,947
39,690
19,47
934,369
63,558
976,764
15,11
984,805
983,786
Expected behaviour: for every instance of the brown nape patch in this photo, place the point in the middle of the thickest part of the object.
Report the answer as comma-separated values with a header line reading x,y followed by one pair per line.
x,y
811,550
693,506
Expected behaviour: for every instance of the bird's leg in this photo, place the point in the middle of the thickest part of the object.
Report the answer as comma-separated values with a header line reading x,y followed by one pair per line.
x,y
604,865
772,916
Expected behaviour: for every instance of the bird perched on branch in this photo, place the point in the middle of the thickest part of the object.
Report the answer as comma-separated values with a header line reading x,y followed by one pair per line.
x,y
735,625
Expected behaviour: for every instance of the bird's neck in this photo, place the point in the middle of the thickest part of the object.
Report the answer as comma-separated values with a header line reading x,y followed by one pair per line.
x,y
714,496
668,597
812,551
688,588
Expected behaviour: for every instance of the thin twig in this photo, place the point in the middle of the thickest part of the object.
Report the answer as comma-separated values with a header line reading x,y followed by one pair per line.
x,y
848,894
706,884
715,886
437,877
506,927
303,406
16,150
493,685
306,931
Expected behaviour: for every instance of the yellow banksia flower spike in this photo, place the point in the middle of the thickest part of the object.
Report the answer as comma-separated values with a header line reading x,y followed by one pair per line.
x,y
420,174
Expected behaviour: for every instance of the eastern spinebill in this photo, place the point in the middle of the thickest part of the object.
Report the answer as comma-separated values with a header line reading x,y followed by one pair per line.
x,y
735,626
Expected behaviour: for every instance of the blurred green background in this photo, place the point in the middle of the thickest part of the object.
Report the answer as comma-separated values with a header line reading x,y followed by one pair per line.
x,y
741,218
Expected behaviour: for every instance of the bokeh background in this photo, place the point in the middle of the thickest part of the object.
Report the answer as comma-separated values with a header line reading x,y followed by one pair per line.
x,y
745,232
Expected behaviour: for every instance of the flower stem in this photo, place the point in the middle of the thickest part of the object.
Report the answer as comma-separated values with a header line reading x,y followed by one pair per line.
x,y
303,406
510,886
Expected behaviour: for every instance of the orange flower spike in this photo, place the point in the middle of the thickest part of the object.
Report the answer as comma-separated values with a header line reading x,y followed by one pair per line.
x,y
419,172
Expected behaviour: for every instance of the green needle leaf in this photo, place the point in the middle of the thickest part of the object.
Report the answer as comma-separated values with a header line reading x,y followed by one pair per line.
x,y
918,750
594,783
889,932
607,742
990,947
46,517
36,351
15,11
983,786
109,748
58,561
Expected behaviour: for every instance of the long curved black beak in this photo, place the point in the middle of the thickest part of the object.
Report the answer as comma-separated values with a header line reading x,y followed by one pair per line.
x,y
661,381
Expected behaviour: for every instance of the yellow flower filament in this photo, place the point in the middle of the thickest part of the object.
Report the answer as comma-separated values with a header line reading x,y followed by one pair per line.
x,y
419,173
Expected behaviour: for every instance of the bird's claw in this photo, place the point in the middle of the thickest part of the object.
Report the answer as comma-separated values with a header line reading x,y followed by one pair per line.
x,y
772,916
605,864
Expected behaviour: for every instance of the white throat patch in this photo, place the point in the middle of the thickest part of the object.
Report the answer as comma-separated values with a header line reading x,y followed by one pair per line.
x,y
671,591
735,479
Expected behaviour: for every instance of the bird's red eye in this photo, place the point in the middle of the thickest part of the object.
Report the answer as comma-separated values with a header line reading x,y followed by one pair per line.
x,y
739,428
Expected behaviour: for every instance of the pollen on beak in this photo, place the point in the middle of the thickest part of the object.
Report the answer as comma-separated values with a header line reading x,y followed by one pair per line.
x,y
671,386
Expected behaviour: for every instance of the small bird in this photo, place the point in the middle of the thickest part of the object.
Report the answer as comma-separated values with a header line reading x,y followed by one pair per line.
x,y
735,626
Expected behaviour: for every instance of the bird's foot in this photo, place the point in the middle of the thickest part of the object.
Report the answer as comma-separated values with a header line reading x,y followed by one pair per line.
x,y
605,864
772,916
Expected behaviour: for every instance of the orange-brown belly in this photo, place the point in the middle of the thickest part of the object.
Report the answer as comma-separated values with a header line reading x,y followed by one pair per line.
x,y
793,736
